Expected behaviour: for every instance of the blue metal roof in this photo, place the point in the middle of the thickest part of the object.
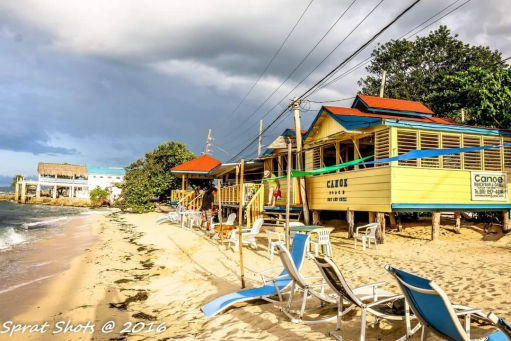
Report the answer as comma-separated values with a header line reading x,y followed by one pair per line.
x,y
106,170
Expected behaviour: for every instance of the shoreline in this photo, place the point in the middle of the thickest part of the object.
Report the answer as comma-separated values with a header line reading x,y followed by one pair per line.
x,y
46,258
141,273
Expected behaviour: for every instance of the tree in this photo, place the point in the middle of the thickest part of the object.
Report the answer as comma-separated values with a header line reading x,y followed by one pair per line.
x,y
429,68
15,179
150,177
99,196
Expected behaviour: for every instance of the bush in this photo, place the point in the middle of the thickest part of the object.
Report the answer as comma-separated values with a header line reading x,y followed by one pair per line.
x,y
99,196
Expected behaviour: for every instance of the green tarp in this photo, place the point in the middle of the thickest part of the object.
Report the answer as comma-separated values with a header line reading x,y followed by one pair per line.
x,y
296,173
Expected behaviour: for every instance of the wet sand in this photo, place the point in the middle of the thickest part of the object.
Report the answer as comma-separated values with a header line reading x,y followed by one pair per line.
x,y
44,259
140,272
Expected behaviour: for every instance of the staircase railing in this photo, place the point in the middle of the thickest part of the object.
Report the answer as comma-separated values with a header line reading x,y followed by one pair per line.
x,y
255,206
196,203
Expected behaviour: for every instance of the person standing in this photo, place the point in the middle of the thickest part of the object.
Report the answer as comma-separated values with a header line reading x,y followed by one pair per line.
x,y
208,203
273,185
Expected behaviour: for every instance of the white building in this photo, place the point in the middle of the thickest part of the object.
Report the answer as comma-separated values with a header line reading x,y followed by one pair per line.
x,y
106,177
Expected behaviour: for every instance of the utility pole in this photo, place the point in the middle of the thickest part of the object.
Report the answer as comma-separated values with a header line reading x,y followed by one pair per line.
x,y
299,159
382,86
259,148
208,141
462,115
288,191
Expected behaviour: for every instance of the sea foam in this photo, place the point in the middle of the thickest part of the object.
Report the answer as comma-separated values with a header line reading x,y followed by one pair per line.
x,y
42,222
9,237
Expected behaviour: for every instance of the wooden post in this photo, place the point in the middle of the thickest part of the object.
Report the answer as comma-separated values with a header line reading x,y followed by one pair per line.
x,y
457,225
219,187
299,159
316,219
392,219
371,217
380,235
183,182
505,222
399,223
240,223
350,219
288,190
435,225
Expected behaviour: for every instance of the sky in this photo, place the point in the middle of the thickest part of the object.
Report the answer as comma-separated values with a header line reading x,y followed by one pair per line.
x,y
104,82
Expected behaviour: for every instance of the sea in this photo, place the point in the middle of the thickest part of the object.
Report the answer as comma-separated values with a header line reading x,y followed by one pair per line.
x,y
36,243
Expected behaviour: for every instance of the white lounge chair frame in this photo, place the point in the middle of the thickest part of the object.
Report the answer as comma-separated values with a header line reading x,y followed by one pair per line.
x,y
376,296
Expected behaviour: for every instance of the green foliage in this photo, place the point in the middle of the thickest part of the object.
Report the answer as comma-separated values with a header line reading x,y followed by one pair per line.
x,y
151,177
99,195
15,179
437,70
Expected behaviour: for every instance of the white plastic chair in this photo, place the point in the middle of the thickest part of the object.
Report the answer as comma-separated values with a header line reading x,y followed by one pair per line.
x,y
366,233
247,235
323,240
230,221
172,217
272,244
194,219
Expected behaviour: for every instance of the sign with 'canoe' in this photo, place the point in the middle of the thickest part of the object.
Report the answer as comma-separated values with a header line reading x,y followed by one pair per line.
x,y
489,186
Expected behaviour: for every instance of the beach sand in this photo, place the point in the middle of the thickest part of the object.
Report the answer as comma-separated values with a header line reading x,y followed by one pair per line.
x,y
139,271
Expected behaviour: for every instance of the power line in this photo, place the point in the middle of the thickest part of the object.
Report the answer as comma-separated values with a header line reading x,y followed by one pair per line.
x,y
365,61
272,59
309,91
361,48
301,62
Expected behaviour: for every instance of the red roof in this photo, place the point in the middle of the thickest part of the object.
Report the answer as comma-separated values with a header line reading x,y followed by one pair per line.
x,y
394,104
303,131
203,163
358,112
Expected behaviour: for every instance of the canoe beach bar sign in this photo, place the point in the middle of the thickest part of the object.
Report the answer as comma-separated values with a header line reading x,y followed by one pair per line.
x,y
489,186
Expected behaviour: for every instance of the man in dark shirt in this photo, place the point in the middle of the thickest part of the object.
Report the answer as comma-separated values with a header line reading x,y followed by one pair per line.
x,y
208,203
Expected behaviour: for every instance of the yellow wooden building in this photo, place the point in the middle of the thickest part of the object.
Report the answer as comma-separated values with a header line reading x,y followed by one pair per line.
x,y
386,127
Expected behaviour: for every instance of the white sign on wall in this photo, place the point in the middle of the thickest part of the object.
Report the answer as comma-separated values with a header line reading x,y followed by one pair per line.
x,y
489,186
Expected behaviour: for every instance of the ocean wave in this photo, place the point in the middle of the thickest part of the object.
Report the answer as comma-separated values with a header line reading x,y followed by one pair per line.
x,y
100,212
13,287
10,237
43,222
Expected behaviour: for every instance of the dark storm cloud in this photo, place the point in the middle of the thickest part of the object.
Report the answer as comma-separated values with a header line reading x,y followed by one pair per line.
x,y
113,79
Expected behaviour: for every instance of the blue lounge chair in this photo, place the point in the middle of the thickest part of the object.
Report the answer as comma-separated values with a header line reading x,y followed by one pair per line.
x,y
432,307
269,289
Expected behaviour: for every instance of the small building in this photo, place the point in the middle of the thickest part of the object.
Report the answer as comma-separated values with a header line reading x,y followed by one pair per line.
x,y
386,127
106,178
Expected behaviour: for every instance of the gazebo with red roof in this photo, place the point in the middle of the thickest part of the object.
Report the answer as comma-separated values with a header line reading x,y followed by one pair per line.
x,y
199,168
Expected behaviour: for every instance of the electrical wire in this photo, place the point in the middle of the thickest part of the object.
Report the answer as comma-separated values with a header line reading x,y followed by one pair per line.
x,y
270,62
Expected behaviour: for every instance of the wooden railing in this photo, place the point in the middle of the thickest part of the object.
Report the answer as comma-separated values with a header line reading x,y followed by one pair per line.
x,y
196,203
180,197
255,206
231,194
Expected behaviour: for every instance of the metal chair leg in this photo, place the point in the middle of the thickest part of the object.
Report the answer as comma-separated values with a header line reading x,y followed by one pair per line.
x,y
363,326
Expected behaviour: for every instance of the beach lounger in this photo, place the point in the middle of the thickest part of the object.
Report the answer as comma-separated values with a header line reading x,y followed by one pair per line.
x,y
275,287
436,313
309,290
369,298
172,217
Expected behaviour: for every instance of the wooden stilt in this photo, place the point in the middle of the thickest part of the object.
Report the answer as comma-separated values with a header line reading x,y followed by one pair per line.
x,y
392,218
506,227
371,217
435,225
457,225
350,220
240,223
399,223
316,219
380,235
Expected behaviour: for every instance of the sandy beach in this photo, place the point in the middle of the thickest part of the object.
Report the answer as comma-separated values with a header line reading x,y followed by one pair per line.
x,y
160,275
